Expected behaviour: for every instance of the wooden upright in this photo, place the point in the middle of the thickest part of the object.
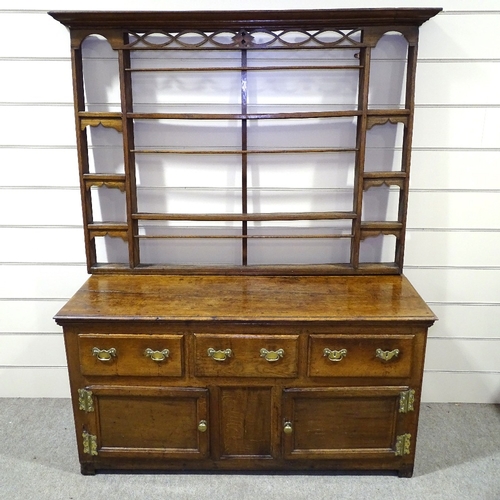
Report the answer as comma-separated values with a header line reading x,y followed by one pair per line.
x,y
247,360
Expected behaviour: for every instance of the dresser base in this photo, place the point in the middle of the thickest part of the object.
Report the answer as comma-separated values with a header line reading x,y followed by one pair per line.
x,y
262,374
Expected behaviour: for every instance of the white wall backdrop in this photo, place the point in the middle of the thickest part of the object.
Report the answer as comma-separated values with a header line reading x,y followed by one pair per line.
x,y
453,242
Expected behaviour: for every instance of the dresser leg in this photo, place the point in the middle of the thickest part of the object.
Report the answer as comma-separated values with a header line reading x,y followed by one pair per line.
x,y
87,469
406,471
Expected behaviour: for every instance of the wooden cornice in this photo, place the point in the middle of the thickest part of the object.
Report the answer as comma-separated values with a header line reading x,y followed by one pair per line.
x,y
215,20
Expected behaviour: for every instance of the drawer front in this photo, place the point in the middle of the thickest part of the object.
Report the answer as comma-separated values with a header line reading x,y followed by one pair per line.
x,y
133,355
246,355
360,355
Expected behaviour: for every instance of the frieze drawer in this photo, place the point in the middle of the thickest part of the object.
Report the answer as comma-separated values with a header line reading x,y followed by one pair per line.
x,y
360,355
246,355
133,355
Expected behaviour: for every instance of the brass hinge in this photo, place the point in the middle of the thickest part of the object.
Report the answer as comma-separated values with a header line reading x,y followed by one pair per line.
x,y
403,445
89,443
406,401
85,400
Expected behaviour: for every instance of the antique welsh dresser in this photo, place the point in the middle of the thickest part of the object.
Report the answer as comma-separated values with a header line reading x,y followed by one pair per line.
x,y
244,182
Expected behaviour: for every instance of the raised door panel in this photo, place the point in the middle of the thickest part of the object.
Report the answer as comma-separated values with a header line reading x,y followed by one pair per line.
x,y
245,422
150,422
328,423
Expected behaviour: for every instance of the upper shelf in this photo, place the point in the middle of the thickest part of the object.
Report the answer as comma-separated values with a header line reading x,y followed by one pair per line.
x,y
274,19
290,160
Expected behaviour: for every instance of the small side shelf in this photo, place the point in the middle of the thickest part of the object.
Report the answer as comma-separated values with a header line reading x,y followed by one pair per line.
x,y
109,180
375,228
94,119
117,230
375,179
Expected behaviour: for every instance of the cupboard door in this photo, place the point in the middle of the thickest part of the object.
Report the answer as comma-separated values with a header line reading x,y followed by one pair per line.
x,y
335,423
150,422
245,422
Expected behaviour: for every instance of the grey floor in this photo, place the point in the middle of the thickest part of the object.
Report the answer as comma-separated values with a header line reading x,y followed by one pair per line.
x,y
458,457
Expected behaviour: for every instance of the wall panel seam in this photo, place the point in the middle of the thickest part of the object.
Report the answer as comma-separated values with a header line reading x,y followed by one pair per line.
x,y
38,146
424,60
68,104
236,189
441,14
416,148
473,339
451,267
21,334
34,299
454,229
44,263
31,367
468,12
463,304
432,370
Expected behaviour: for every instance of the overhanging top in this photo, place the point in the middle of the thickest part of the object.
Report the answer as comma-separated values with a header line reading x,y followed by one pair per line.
x,y
214,20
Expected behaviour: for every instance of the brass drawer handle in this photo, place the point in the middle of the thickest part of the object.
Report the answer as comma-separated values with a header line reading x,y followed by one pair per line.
x,y
219,355
157,356
272,356
287,428
386,355
335,355
203,426
104,355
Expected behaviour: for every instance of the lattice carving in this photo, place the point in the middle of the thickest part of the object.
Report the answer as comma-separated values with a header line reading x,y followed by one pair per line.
x,y
237,39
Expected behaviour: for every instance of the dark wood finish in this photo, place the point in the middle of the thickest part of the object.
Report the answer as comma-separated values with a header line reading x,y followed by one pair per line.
x,y
361,359
245,367
142,421
246,298
357,29
131,357
339,423
246,359
344,415
211,20
246,417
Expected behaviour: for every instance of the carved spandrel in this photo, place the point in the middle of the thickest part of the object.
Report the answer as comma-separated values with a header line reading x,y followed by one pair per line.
x,y
374,229
114,37
109,184
382,120
388,181
373,34
373,233
115,123
112,233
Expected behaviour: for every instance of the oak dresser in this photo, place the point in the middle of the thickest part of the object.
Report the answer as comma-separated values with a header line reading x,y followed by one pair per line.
x,y
244,194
